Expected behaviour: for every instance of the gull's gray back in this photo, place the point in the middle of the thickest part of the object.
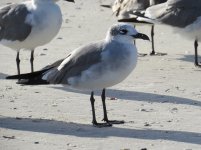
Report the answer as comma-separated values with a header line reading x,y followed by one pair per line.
x,y
12,22
79,60
184,3
105,57
178,13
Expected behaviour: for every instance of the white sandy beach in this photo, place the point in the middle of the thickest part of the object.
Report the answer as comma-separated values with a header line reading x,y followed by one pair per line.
x,y
160,101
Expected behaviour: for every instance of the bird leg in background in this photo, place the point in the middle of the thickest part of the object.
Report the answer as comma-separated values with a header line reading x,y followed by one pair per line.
x,y
31,60
94,114
105,111
134,40
18,62
153,53
139,54
152,40
196,54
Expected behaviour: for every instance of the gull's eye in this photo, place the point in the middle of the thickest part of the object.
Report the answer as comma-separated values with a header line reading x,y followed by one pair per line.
x,y
123,31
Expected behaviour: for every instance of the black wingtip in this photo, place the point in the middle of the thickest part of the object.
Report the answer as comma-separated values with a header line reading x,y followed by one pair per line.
x,y
29,79
21,76
134,20
13,77
32,82
106,6
72,1
127,20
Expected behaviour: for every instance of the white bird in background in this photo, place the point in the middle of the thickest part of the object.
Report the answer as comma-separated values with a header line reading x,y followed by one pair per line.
x,y
95,66
123,8
29,24
183,15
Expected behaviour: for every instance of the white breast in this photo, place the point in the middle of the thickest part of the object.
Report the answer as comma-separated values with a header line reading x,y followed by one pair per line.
x,y
47,23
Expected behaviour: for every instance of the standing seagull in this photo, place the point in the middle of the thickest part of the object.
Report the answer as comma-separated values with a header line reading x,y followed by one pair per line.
x,y
94,66
29,24
183,15
123,8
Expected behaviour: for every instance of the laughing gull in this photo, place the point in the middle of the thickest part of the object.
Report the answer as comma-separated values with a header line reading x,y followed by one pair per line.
x,y
183,15
29,24
95,66
123,8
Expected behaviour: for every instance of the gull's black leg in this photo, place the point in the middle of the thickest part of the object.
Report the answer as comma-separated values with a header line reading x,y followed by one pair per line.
x,y
93,109
153,53
94,114
152,41
18,62
105,118
196,54
31,60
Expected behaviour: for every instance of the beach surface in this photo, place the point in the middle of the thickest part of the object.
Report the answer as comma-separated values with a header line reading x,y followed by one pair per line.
x,y
160,101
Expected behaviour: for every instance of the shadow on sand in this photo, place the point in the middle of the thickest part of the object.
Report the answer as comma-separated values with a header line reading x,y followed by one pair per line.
x,y
189,58
3,76
83,130
139,96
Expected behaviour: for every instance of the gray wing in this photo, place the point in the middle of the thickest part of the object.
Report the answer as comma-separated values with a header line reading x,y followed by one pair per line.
x,y
178,13
76,62
184,3
12,22
54,65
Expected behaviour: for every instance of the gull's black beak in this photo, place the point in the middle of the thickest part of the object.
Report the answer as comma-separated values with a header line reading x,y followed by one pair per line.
x,y
141,36
70,1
